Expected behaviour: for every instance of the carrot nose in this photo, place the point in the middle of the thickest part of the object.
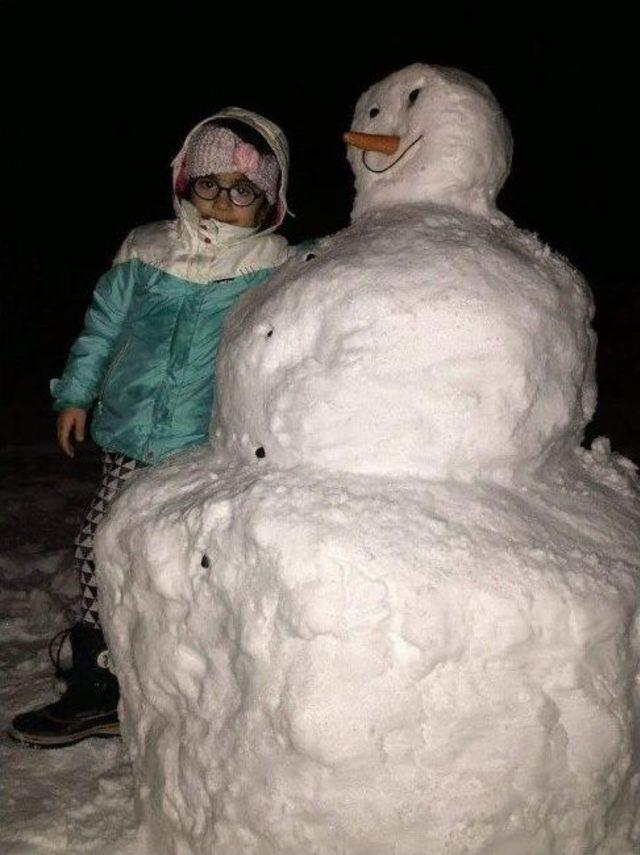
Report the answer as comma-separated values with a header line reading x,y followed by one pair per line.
x,y
384,143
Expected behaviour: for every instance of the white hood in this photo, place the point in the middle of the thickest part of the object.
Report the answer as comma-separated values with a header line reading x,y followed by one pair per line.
x,y
274,137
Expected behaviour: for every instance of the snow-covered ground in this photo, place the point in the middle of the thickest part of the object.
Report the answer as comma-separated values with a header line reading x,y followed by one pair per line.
x,y
78,799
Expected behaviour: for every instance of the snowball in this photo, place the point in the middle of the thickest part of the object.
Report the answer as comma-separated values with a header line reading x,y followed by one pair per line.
x,y
417,341
328,663
455,144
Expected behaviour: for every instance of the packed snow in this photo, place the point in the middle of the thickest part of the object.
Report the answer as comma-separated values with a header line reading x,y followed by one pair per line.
x,y
456,145
416,343
349,664
394,607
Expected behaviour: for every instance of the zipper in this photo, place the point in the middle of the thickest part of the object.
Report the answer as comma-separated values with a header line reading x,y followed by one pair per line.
x,y
114,364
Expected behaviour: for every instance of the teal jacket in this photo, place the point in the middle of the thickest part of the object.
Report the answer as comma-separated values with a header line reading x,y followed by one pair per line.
x,y
145,360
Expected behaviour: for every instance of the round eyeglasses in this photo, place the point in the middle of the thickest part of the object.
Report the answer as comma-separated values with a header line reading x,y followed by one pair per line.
x,y
242,194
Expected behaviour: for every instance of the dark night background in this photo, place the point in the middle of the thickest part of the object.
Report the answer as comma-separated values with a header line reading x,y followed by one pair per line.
x,y
98,98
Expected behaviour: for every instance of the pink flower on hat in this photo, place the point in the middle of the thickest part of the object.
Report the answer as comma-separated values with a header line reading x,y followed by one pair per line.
x,y
246,158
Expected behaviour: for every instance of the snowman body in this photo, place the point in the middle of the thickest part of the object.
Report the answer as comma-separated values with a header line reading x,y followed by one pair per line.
x,y
393,607
419,341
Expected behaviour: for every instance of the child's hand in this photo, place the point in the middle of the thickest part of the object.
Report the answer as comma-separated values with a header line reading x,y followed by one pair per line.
x,y
71,419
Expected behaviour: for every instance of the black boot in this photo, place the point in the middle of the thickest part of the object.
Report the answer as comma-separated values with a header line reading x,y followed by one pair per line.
x,y
89,706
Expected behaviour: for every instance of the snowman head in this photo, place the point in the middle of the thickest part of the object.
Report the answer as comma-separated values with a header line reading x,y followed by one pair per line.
x,y
429,134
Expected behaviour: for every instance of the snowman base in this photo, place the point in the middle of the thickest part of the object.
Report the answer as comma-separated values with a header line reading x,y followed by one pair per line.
x,y
313,662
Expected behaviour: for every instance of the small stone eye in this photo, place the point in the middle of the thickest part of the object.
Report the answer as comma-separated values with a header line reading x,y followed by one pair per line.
x,y
205,561
373,112
260,452
270,333
413,96
310,256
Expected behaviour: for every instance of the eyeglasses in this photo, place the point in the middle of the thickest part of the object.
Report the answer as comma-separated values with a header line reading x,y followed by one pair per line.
x,y
242,194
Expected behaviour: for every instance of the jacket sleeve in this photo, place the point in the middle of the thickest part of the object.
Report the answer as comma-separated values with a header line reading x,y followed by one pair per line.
x,y
92,350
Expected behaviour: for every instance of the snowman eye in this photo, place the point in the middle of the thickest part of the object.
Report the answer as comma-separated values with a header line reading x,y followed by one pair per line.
x,y
373,112
413,96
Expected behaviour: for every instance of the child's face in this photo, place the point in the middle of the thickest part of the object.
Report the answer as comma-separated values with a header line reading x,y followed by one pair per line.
x,y
222,208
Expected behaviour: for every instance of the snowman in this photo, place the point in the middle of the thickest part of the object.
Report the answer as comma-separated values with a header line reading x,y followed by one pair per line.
x,y
394,607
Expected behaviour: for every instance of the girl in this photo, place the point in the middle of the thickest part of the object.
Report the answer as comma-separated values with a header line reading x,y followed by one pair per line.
x,y
145,360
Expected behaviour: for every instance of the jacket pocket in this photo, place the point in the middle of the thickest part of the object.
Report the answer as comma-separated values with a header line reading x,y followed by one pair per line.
x,y
112,367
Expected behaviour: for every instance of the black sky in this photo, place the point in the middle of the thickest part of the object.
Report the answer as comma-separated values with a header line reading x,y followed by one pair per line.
x,y
100,96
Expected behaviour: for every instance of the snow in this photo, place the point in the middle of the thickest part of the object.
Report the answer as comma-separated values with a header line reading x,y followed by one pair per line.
x,y
394,607
79,800
458,144
418,341
362,664
432,337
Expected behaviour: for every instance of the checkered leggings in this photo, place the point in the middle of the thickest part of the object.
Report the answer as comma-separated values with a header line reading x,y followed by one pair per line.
x,y
116,469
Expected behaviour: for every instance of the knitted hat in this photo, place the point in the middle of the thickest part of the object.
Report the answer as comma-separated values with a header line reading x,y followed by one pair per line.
x,y
213,150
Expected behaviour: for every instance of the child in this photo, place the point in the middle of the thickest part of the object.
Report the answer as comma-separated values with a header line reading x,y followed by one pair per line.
x,y
145,360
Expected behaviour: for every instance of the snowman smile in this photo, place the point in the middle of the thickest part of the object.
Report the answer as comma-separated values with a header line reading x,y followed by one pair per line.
x,y
400,156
